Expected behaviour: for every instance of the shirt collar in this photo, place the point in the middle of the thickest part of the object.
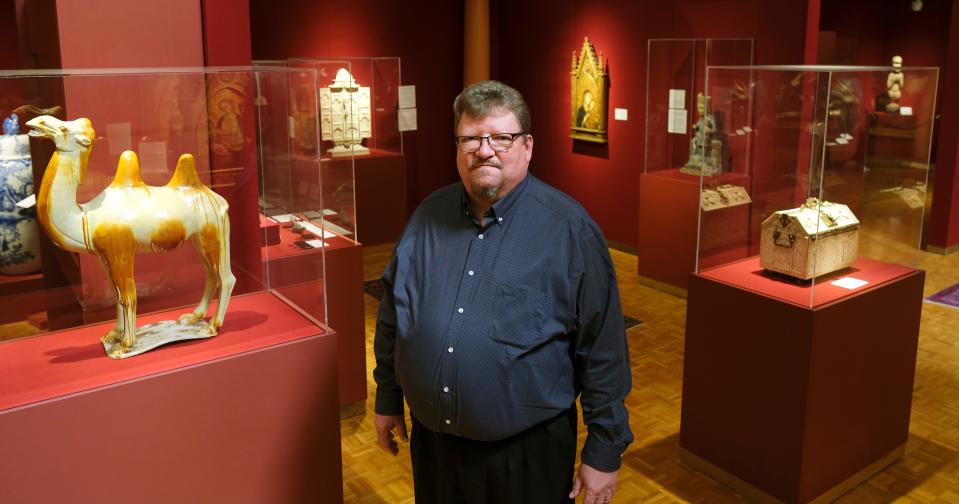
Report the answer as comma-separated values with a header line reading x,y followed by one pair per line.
x,y
500,209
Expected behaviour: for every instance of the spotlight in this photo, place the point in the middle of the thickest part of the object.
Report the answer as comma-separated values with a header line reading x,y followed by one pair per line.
x,y
916,5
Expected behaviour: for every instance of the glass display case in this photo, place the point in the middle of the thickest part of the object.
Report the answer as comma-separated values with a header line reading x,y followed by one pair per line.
x,y
834,187
676,71
358,112
248,145
682,136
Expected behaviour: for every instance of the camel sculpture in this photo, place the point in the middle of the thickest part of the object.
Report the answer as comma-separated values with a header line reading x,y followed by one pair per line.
x,y
128,217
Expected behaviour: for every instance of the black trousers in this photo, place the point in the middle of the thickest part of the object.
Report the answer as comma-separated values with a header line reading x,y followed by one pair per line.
x,y
534,466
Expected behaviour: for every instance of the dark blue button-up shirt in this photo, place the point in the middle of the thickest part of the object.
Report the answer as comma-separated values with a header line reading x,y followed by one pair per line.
x,y
488,329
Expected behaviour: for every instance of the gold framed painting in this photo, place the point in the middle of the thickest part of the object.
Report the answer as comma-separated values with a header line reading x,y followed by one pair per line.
x,y
589,85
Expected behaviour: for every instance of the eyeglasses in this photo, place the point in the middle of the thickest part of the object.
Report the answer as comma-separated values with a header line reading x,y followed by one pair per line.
x,y
499,142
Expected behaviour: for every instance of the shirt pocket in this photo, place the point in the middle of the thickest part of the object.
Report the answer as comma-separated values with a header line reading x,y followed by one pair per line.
x,y
517,318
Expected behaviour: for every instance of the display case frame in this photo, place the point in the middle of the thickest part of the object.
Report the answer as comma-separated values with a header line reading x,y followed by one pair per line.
x,y
818,151
365,193
234,121
676,70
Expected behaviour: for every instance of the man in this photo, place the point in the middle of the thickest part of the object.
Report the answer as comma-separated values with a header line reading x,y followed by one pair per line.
x,y
500,306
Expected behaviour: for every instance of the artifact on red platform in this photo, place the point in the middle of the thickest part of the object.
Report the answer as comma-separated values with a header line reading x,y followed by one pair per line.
x,y
345,117
708,145
723,196
129,217
815,239
19,234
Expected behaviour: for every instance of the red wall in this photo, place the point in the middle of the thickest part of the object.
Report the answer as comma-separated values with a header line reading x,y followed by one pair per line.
x,y
111,33
427,36
532,51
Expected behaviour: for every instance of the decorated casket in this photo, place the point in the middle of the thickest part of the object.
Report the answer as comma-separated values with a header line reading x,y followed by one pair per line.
x,y
815,239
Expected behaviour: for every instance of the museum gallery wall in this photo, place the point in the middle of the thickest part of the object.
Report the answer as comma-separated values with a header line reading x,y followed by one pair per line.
x,y
605,177
432,61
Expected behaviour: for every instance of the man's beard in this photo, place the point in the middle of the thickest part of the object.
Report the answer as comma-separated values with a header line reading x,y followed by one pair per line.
x,y
487,192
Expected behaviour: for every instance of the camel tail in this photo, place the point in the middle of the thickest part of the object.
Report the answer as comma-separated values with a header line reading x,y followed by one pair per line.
x,y
128,171
185,174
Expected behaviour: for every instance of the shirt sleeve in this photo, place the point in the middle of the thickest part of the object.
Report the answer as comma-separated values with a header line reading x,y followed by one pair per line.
x,y
602,359
389,395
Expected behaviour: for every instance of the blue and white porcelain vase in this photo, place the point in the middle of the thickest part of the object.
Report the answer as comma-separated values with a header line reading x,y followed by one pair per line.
x,y
19,232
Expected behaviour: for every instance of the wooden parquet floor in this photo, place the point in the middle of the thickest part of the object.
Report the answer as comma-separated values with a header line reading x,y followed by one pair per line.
x,y
652,472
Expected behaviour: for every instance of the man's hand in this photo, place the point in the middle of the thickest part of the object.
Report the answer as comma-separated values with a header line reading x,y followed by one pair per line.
x,y
600,486
384,432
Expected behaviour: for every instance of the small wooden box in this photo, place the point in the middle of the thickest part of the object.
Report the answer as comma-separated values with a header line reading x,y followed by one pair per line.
x,y
812,240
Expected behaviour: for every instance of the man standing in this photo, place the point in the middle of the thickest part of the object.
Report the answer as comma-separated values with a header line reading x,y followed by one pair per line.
x,y
500,307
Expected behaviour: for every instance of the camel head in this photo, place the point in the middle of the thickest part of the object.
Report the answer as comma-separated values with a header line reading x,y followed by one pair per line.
x,y
69,136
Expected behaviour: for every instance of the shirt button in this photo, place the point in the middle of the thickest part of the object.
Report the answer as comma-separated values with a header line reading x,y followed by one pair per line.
x,y
459,310
446,389
470,272
450,349
481,236
447,421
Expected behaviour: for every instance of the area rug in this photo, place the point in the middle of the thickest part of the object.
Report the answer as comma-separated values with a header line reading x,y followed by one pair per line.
x,y
374,289
947,297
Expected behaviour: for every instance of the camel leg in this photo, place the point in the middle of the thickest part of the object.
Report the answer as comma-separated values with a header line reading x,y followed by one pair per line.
x,y
208,287
114,335
227,280
213,247
120,266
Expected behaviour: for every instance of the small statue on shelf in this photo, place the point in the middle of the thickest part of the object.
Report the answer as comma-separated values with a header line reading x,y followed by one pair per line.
x,y
705,144
894,82
345,115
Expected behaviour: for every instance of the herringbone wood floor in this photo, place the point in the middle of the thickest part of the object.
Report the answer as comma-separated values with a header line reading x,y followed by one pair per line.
x,y
651,472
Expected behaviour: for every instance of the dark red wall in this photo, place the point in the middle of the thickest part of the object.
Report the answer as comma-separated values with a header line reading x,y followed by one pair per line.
x,y
867,32
943,229
864,32
427,36
532,48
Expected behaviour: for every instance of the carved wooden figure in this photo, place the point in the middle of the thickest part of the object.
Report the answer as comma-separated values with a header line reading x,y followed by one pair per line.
x,y
128,217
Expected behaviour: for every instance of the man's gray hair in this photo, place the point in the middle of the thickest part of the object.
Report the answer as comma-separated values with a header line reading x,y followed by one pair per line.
x,y
480,99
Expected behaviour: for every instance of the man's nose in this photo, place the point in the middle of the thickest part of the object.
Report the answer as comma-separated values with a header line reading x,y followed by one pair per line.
x,y
486,148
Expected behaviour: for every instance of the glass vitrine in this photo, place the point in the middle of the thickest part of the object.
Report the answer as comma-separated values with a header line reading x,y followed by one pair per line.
x,y
242,129
836,188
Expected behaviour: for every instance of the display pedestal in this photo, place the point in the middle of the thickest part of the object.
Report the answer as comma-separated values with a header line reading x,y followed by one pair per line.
x,y
668,220
787,403
380,197
287,264
248,416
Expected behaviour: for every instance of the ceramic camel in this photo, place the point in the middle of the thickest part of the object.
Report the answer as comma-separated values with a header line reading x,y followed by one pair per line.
x,y
130,216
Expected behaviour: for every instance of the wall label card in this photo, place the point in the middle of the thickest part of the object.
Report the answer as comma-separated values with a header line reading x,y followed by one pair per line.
x,y
407,119
677,98
676,122
407,97
620,114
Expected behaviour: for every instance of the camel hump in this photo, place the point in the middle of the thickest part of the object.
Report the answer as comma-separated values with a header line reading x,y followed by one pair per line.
x,y
185,174
128,171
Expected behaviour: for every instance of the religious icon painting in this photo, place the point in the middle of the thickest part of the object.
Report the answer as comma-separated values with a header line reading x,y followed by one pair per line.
x,y
589,84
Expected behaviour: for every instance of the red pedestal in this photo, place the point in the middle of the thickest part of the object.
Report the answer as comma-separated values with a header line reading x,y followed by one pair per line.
x,y
248,416
787,403
288,264
668,224
344,305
